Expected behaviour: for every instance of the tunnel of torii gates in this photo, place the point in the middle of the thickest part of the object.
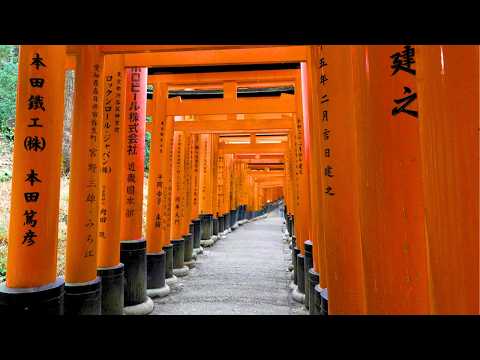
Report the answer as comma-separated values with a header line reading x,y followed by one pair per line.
x,y
374,158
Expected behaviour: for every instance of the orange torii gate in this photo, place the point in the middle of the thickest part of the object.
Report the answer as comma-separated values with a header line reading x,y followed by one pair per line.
x,y
208,106
214,124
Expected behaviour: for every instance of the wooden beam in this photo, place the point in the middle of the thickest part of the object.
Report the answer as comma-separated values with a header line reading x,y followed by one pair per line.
x,y
253,148
283,104
260,158
268,55
261,173
269,139
235,126
286,76
120,49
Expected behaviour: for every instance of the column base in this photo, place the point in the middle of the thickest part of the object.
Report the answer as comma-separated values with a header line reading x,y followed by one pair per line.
x,y
301,273
199,250
168,260
171,281
188,250
298,296
295,252
324,302
47,299
196,233
83,298
317,300
292,285
112,289
133,254
144,308
207,243
314,279
190,264
178,254
161,292
181,272
156,266
308,264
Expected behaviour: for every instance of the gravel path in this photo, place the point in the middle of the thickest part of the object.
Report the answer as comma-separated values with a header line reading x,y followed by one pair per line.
x,y
243,274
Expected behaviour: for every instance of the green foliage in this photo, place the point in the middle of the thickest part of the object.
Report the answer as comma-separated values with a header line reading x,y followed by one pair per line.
x,y
3,262
148,140
8,89
5,175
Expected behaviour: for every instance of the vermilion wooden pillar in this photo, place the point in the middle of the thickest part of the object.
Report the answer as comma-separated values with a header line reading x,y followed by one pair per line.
x,y
158,186
338,162
178,175
83,290
220,191
186,216
167,201
33,230
228,189
195,193
206,186
158,171
111,164
195,176
178,204
448,102
133,247
390,179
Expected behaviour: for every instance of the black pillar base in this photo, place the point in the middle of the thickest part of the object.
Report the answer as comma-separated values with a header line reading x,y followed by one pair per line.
x,y
301,273
317,301
156,266
47,299
215,226
83,299
188,248
314,280
133,254
227,221
291,229
232,218
289,225
112,289
221,224
206,226
308,265
196,233
295,253
178,253
324,302
168,261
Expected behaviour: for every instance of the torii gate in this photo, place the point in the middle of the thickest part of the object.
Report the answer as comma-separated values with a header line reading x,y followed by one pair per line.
x,y
396,168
